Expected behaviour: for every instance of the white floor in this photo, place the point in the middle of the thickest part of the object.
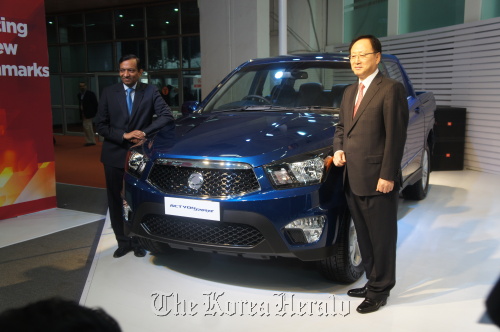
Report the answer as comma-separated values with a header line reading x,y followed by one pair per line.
x,y
34,225
448,261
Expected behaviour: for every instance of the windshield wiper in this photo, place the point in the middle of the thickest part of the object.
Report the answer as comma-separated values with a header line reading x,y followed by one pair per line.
x,y
276,108
315,108
245,108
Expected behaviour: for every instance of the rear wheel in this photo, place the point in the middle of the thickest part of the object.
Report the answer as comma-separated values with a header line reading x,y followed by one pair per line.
x,y
345,265
418,190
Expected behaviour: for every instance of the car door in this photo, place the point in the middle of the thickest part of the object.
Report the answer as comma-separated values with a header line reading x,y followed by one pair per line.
x,y
416,126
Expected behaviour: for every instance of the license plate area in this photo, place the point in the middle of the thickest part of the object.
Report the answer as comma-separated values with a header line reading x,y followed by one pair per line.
x,y
192,208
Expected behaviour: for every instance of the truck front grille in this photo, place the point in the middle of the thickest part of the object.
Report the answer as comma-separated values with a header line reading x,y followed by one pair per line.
x,y
231,179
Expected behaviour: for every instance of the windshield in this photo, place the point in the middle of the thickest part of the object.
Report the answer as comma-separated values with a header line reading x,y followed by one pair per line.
x,y
290,85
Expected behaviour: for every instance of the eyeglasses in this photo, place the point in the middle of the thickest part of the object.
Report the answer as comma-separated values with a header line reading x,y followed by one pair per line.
x,y
361,56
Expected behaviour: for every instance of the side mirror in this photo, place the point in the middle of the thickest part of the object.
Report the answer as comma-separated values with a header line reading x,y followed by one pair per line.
x,y
189,107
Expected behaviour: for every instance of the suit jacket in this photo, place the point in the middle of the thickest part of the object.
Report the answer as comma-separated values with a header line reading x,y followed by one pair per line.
x,y
373,142
88,104
113,119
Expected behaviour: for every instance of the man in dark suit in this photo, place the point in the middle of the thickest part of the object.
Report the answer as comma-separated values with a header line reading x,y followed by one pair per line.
x,y
369,141
125,118
88,109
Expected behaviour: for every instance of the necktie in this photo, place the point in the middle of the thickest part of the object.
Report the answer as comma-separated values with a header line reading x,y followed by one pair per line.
x,y
129,100
360,97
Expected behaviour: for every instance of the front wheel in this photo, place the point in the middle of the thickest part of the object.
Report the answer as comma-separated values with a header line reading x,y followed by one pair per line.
x,y
345,265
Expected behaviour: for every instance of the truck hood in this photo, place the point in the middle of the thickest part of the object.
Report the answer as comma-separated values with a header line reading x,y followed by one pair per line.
x,y
253,137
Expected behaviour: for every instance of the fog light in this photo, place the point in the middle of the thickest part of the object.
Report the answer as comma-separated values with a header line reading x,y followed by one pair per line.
x,y
311,229
127,211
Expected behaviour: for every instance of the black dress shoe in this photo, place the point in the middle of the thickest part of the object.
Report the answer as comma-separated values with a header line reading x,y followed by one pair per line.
x,y
139,252
369,305
357,292
122,251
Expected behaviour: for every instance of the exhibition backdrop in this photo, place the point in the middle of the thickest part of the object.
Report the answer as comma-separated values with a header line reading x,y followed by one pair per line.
x,y
27,171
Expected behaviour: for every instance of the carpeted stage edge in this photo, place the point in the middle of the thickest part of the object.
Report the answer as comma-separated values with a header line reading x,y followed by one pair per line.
x,y
78,164
56,265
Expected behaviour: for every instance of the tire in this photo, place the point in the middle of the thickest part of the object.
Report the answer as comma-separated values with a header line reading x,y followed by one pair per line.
x,y
154,247
419,189
345,265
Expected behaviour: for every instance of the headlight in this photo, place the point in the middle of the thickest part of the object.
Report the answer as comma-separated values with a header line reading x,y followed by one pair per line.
x,y
135,163
296,174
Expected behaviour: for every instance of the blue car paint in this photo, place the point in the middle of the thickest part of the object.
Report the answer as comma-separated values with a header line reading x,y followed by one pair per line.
x,y
258,139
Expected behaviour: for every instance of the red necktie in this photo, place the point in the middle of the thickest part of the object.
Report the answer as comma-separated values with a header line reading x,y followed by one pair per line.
x,y
360,97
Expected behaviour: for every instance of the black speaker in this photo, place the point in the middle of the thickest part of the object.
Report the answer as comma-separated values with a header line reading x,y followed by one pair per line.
x,y
449,133
448,156
450,123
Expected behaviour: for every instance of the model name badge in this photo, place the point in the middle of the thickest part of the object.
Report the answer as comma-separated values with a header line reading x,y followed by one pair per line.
x,y
192,208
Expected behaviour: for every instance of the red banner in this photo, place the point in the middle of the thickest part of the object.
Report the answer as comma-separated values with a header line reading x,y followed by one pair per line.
x,y
27,171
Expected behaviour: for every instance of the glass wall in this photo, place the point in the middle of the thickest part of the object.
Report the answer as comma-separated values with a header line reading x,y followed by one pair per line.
x,y
362,17
87,46
70,28
371,16
100,57
163,20
429,14
490,9
99,26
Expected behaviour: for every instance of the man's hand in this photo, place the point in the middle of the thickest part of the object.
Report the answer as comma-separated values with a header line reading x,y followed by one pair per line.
x,y
339,158
385,186
135,136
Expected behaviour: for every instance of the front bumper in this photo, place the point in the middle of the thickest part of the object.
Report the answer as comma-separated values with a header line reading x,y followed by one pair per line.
x,y
250,228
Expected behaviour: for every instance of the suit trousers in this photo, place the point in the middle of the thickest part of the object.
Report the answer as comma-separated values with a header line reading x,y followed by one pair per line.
x,y
375,220
88,131
114,185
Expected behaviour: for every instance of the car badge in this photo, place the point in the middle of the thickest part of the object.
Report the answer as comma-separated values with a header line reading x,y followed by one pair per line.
x,y
195,181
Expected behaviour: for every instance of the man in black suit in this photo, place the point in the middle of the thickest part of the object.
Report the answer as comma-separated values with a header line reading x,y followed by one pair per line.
x,y
369,141
88,109
125,118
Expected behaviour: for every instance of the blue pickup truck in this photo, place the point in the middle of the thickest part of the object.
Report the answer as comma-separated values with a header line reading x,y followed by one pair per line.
x,y
243,171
